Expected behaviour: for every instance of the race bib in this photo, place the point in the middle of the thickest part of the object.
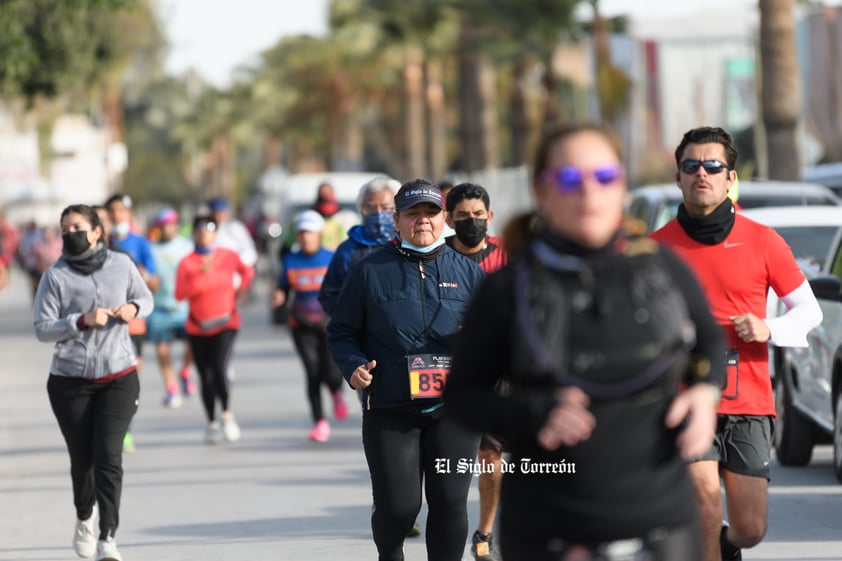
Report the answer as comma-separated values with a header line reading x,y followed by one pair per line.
x,y
427,374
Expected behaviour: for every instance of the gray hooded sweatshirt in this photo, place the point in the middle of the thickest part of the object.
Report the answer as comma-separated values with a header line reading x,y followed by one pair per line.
x,y
65,294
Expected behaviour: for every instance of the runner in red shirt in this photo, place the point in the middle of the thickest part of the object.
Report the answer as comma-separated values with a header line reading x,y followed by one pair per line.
x,y
469,214
736,261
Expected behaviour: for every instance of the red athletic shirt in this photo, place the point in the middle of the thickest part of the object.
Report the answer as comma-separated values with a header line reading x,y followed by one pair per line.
x,y
211,294
735,275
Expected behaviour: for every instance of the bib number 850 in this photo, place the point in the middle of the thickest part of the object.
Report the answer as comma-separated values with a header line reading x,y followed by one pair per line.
x,y
427,383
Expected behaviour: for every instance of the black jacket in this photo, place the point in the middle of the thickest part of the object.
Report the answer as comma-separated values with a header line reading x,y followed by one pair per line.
x,y
606,324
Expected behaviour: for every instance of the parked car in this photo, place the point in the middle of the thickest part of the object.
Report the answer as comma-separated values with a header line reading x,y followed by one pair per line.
x,y
829,175
808,396
655,205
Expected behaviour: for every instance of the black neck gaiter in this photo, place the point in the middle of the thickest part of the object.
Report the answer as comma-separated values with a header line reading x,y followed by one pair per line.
x,y
711,229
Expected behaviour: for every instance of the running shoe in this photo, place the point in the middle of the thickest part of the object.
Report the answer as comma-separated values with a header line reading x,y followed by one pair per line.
x,y
321,431
729,551
172,400
340,408
188,386
128,443
212,433
482,547
231,429
84,538
106,550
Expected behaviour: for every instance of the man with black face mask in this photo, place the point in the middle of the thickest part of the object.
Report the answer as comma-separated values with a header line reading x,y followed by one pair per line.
x,y
470,215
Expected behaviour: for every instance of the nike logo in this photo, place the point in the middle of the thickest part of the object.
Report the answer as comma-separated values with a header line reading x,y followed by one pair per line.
x,y
727,245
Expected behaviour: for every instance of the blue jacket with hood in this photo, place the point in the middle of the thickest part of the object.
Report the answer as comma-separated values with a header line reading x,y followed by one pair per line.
x,y
395,303
347,254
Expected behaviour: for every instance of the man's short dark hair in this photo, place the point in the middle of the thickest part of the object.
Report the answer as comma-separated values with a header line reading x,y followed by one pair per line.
x,y
119,197
467,191
706,135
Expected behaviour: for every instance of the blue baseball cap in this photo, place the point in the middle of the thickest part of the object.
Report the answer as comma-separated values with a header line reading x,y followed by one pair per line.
x,y
218,204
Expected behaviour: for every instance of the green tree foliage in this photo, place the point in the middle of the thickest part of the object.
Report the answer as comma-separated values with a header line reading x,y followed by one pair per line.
x,y
51,47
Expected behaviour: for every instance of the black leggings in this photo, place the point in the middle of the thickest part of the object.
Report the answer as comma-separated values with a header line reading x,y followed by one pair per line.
x,y
404,449
93,418
211,354
311,344
672,544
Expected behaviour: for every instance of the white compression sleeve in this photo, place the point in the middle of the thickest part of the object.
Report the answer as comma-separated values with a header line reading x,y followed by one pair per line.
x,y
803,314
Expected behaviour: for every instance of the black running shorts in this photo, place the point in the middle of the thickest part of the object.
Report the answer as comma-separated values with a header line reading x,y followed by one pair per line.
x,y
743,444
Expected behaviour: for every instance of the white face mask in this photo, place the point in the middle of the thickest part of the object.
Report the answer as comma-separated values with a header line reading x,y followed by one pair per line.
x,y
120,230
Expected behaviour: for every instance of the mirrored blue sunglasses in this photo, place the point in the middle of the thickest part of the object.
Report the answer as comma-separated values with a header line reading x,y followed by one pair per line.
x,y
569,179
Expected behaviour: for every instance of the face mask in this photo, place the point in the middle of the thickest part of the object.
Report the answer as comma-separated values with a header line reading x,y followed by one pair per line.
x,y
406,245
120,230
471,231
75,243
379,226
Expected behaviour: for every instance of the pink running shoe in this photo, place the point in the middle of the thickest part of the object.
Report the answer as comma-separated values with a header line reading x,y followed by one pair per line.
x,y
340,408
188,386
320,432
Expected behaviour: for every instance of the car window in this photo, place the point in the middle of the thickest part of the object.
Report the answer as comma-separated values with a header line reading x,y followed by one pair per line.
x,y
666,212
836,270
639,208
809,242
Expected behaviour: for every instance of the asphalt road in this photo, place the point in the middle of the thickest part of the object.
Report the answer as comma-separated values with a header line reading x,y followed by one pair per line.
x,y
273,495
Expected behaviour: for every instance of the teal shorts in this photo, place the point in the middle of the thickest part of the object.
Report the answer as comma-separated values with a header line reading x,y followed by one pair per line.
x,y
163,326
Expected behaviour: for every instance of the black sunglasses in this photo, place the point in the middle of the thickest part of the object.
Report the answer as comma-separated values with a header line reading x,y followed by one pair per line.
x,y
712,167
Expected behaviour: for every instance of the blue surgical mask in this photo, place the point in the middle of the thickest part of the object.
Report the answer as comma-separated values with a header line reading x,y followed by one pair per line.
x,y
120,230
202,250
406,245
379,226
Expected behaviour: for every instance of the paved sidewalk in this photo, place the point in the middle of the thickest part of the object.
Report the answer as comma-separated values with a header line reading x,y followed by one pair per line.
x,y
273,495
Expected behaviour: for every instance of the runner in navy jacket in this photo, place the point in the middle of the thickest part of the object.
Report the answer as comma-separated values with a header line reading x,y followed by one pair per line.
x,y
390,333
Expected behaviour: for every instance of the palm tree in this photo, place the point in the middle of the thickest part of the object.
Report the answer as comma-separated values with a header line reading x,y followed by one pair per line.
x,y
780,92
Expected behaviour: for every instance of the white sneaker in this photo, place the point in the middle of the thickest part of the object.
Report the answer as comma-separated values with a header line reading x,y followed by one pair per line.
x,y
172,400
106,550
212,434
84,539
231,429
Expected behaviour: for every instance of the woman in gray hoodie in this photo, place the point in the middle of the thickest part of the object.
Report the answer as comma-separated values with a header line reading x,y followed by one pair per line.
x,y
83,304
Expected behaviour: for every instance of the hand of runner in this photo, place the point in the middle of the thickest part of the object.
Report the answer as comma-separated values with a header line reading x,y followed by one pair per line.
x,y
361,378
570,422
98,317
125,311
751,328
697,404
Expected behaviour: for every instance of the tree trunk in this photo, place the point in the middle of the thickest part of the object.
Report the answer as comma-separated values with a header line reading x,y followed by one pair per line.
x,y
414,113
436,121
478,127
780,94
272,150
519,114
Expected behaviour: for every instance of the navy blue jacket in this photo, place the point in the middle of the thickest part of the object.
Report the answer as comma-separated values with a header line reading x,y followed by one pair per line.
x,y
347,254
391,306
